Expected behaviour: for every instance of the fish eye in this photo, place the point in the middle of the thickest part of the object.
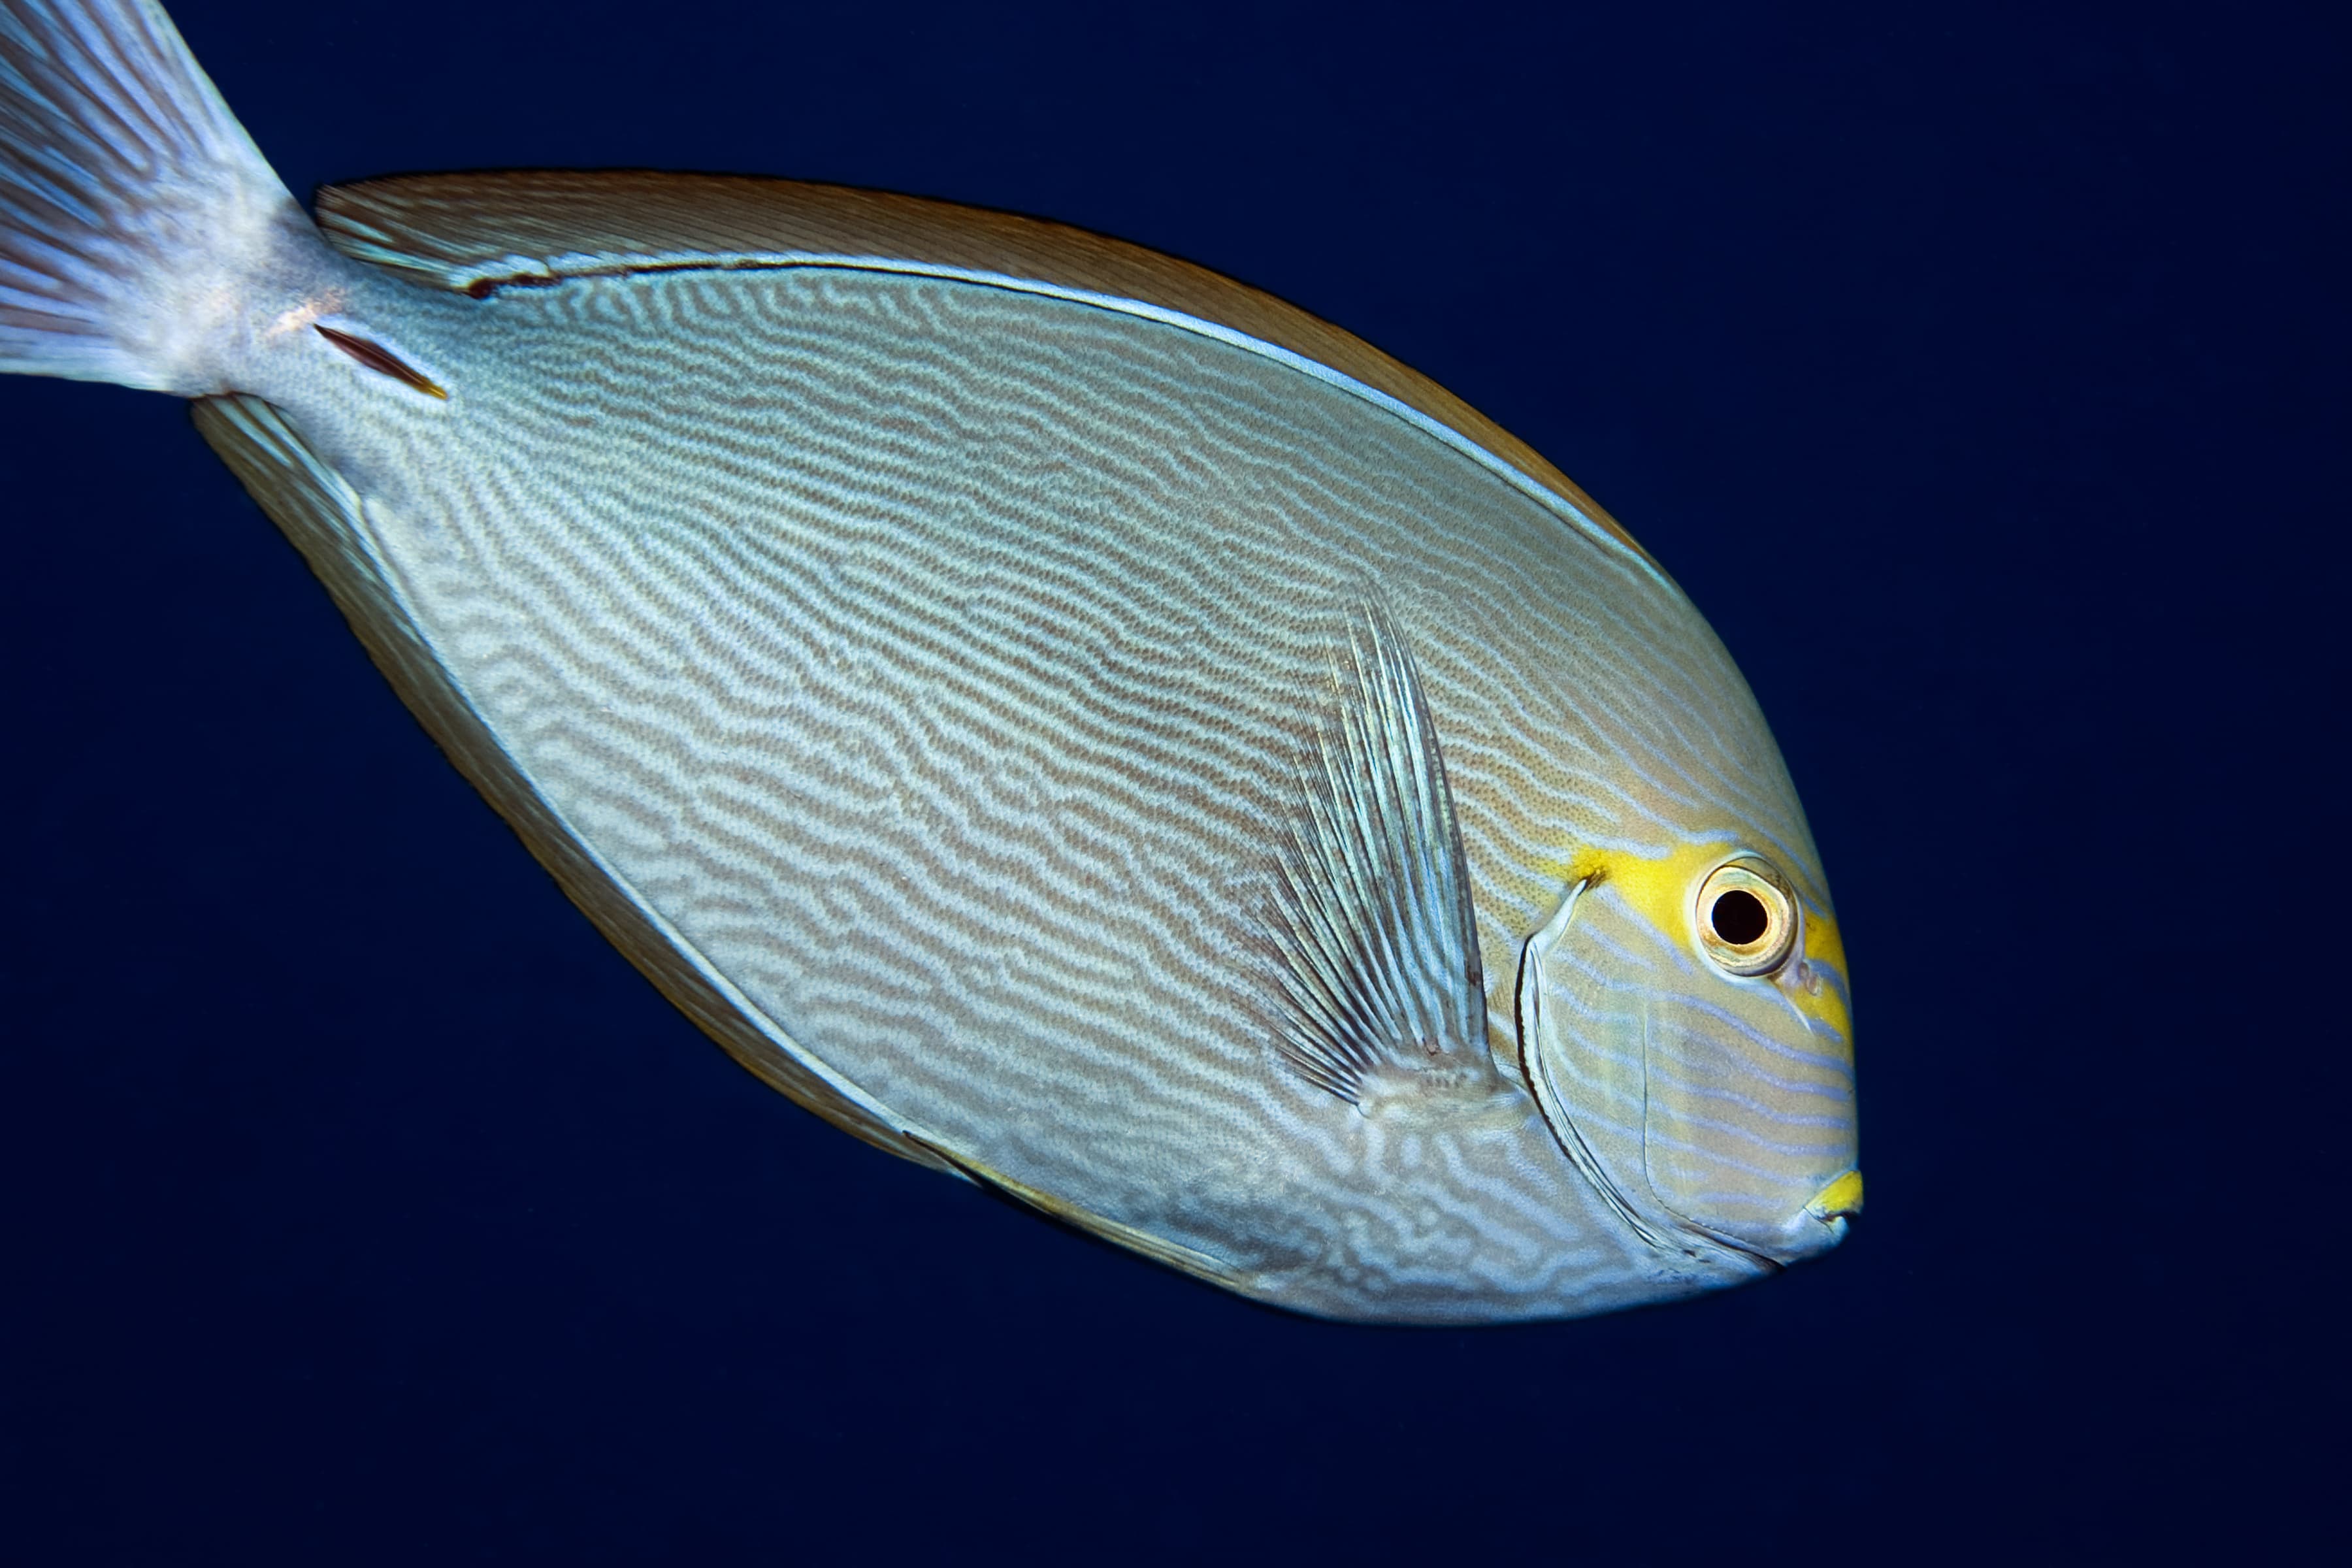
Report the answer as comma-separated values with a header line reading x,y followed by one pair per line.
x,y
1746,919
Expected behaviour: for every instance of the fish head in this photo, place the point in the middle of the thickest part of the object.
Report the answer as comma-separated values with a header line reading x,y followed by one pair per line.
x,y
1686,1022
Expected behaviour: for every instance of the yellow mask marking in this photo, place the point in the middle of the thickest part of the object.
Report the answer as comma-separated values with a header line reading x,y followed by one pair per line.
x,y
1824,1005
1660,889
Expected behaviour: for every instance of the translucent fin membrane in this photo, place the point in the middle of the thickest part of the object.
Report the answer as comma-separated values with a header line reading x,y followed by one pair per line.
x,y
124,181
1373,941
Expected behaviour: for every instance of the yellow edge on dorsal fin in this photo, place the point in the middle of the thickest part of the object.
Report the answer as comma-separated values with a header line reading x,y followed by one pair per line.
x,y
477,233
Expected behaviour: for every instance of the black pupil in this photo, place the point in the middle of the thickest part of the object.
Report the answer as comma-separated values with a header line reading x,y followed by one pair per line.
x,y
1739,917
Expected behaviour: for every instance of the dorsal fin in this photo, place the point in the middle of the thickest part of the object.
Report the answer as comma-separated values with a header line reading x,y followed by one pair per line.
x,y
1374,945
477,233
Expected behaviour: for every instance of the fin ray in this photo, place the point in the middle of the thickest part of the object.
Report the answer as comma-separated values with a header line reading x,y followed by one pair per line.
x,y
477,233
1372,941
126,189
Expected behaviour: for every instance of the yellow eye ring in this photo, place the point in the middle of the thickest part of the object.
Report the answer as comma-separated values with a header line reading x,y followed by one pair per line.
x,y
1747,918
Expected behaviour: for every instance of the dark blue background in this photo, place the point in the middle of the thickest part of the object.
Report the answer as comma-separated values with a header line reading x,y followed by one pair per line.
x,y
1977,370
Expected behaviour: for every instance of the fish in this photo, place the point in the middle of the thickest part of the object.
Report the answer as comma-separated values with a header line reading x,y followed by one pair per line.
x,y
1066,718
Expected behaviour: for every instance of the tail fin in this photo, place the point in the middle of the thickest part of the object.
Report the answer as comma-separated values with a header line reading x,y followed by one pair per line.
x,y
129,197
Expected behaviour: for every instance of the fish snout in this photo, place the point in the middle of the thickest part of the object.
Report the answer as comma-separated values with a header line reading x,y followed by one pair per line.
x,y
1822,1220
1821,1223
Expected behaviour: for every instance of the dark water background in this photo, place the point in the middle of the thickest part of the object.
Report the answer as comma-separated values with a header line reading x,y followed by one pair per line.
x,y
1980,372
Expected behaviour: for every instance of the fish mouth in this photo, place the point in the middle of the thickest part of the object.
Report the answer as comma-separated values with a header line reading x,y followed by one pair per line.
x,y
1813,1230
1837,1203
1819,1224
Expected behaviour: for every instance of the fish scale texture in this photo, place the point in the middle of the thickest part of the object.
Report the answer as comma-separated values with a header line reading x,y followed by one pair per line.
x,y
947,699
908,658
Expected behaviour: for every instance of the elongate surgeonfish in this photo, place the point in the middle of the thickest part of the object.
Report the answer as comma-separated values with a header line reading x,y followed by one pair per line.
x,y
1064,716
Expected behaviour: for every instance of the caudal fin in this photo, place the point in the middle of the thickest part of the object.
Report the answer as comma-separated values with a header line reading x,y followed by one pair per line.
x,y
132,203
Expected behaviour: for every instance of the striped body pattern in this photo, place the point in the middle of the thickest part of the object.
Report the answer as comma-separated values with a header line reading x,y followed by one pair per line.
x,y
911,663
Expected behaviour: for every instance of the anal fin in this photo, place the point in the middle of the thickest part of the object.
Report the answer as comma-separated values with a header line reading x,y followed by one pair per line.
x,y
1159,1249
326,519
1374,985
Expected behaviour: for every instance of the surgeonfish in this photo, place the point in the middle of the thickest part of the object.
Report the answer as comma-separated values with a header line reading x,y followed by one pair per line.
x,y
1066,718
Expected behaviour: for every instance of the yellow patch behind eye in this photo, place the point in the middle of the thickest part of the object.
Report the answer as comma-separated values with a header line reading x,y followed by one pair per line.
x,y
1824,1002
1659,889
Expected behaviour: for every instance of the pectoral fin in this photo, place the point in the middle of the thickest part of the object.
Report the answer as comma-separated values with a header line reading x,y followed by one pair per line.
x,y
1374,980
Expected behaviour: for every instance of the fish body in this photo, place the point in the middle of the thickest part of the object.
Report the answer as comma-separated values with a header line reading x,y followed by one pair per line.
x,y
1064,716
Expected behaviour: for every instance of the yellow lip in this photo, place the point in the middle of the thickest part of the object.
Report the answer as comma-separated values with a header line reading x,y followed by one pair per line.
x,y
1840,1198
